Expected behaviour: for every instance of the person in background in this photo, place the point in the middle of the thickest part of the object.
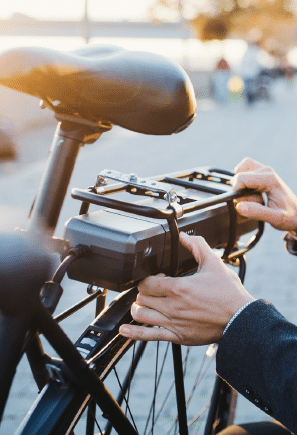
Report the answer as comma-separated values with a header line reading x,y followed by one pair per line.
x,y
221,77
249,70
257,350
288,71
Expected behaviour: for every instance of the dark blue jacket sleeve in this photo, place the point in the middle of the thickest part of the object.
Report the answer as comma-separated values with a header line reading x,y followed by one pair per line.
x,y
258,357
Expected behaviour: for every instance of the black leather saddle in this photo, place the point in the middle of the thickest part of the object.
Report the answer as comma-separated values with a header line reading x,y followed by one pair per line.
x,y
140,91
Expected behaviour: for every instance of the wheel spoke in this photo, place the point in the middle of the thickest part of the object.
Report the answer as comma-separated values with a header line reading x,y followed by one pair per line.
x,y
158,382
91,410
127,405
155,390
130,376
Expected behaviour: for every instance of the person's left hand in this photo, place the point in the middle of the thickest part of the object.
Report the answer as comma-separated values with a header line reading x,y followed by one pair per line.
x,y
191,310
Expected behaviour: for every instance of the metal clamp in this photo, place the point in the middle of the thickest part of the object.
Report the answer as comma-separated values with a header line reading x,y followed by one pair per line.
x,y
177,208
142,183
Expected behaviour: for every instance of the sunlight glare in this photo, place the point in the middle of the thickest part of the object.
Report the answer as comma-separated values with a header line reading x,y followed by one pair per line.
x,y
62,43
235,84
74,9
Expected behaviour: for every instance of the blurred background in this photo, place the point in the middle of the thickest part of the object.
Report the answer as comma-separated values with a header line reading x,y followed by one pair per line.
x,y
241,56
209,38
221,44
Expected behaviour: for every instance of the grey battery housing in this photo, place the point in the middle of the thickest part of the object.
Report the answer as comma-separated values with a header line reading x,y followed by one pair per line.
x,y
126,248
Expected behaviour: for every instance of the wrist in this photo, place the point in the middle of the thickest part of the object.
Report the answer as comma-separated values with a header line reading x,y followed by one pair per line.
x,y
238,312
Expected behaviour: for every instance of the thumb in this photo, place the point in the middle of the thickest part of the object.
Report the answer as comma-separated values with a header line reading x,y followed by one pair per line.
x,y
201,251
260,212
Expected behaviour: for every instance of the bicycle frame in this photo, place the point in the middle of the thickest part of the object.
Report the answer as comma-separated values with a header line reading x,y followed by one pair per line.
x,y
45,213
70,135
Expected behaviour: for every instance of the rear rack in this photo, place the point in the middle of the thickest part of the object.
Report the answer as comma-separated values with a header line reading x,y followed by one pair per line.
x,y
215,181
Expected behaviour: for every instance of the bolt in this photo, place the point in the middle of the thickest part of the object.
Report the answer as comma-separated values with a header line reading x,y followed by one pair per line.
x,y
101,181
132,177
147,250
173,197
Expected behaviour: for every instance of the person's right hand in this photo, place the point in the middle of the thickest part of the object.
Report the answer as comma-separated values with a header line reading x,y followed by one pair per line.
x,y
281,208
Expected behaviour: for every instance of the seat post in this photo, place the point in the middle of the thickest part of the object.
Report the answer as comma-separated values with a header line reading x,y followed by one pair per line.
x,y
56,177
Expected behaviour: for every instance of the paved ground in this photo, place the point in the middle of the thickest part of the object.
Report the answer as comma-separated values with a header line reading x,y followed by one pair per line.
x,y
220,136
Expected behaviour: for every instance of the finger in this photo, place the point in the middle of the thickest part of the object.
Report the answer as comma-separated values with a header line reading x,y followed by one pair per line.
x,y
155,303
262,181
200,249
147,315
260,212
147,334
165,306
247,164
156,286
252,198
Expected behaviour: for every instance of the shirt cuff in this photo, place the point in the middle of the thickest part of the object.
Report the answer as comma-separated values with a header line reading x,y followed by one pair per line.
x,y
237,314
291,242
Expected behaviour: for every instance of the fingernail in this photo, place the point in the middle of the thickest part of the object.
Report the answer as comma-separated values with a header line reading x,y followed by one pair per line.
x,y
124,330
241,207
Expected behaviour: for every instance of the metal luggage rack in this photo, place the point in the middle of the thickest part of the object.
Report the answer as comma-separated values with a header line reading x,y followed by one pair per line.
x,y
206,179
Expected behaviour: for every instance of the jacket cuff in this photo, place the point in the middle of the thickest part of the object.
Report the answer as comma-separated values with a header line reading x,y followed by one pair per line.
x,y
256,356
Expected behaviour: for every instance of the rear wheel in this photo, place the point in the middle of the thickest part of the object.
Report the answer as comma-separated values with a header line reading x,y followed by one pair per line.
x,y
141,378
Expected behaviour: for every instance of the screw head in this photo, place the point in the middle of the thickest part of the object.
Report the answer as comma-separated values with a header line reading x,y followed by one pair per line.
x,y
132,177
147,250
101,181
173,197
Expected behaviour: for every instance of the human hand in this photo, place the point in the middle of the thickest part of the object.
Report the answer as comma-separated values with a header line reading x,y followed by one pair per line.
x,y
192,310
281,208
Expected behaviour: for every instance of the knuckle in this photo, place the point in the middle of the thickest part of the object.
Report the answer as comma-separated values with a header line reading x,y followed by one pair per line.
x,y
183,292
269,170
283,218
175,289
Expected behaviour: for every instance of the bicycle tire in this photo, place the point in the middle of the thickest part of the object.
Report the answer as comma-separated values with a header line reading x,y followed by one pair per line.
x,y
59,408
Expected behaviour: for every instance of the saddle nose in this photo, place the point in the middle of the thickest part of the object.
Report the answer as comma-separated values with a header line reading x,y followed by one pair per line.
x,y
139,91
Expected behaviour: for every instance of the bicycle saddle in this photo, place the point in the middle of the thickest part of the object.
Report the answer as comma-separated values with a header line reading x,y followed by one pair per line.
x,y
140,91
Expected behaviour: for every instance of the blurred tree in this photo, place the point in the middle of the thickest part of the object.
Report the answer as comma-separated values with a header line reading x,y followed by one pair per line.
x,y
270,23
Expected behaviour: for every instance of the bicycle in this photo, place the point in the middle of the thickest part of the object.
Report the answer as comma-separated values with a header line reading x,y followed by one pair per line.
x,y
130,240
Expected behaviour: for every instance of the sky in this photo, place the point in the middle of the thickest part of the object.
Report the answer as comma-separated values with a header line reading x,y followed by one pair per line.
x,y
74,9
